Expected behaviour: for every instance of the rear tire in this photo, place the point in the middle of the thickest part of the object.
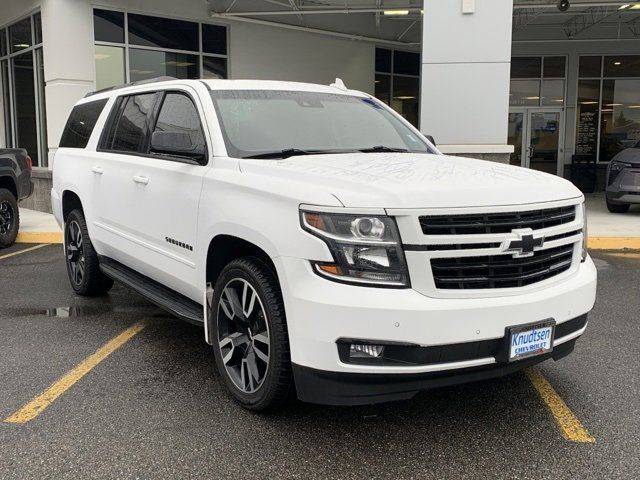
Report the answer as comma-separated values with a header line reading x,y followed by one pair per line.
x,y
9,218
618,207
83,267
249,334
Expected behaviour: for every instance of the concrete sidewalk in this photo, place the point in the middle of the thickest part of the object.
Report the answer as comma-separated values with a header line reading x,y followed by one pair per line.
x,y
607,231
38,227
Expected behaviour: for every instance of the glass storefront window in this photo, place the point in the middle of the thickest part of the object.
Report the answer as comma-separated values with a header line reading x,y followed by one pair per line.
x,y
524,93
3,42
552,93
526,67
109,66
554,67
397,82
144,64
406,63
37,27
25,104
214,39
157,47
405,100
383,87
214,67
22,92
20,35
622,66
590,67
608,105
537,81
620,127
588,117
383,60
6,102
108,26
161,32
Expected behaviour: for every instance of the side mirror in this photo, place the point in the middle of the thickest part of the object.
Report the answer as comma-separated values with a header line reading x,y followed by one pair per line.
x,y
178,144
431,139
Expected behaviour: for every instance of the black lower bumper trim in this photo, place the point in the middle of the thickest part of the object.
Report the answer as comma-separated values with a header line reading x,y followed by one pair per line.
x,y
333,388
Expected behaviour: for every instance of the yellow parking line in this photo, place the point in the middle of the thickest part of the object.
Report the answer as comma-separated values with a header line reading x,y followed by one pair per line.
x,y
569,424
24,250
46,398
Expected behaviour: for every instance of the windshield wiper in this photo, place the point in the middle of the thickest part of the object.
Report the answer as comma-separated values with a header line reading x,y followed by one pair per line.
x,y
382,148
288,152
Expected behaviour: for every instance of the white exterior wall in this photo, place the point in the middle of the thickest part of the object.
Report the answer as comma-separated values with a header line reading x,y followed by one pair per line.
x,y
573,50
465,75
261,52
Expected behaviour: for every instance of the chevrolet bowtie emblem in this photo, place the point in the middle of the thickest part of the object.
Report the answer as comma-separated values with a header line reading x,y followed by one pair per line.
x,y
524,244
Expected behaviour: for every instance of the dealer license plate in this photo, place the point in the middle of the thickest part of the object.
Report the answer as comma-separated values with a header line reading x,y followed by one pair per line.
x,y
529,340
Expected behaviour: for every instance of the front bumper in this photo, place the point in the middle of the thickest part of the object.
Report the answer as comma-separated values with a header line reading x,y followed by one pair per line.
x,y
320,312
331,388
625,187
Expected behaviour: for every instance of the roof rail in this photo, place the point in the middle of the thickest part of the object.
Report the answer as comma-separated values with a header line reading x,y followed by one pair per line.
x,y
132,84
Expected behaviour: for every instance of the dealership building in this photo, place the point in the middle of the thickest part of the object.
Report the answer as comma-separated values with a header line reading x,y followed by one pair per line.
x,y
528,82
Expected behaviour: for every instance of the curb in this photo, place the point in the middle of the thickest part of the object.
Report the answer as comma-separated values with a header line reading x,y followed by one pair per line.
x,y
39,237
613,243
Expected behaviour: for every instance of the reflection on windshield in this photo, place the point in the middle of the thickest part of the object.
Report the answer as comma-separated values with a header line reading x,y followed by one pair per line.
x,y
281,124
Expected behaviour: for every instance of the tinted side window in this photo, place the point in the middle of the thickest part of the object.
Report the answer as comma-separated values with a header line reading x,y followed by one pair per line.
x,y
80,124
178,114
130,129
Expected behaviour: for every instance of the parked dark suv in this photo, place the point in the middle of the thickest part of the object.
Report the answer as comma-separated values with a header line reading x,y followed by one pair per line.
x,y
15,185
623,180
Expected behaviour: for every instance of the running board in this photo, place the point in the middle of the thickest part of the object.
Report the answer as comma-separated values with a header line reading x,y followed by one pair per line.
x,y
164,297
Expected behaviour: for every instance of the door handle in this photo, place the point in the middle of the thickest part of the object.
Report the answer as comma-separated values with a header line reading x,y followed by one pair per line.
x,y
97,170
140,179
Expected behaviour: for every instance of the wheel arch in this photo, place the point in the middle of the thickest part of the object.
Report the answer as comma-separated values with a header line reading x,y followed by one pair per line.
x,y
70,201
7,182
222,249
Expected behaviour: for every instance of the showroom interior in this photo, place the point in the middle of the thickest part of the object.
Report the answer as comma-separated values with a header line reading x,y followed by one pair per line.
x,y
528,82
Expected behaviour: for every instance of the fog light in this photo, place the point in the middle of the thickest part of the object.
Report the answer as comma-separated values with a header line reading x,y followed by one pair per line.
x,y
358,350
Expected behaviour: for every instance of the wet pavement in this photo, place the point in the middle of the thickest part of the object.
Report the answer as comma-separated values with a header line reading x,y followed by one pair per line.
x,y
155,408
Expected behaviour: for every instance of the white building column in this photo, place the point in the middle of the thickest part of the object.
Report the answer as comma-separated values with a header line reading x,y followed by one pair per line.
x,y
67,29
466,56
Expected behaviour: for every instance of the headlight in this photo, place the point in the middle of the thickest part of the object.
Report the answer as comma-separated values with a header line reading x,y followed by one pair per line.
x,y
366,248
617,166
584,231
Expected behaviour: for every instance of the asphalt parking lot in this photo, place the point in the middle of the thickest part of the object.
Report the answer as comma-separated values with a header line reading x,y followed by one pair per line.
x,y
154,407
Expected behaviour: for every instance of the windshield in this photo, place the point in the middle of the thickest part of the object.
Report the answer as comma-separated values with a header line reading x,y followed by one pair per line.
x,y
278,124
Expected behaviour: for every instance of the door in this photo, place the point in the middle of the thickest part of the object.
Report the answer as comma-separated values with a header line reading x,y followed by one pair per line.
x,y
115,214
536,135
166,188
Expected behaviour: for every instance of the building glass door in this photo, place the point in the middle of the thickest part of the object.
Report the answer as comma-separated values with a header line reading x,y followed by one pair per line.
x,y
536,136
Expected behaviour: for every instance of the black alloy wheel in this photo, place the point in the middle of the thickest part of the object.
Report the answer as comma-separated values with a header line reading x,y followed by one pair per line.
x,y
7,217
75,253
243,335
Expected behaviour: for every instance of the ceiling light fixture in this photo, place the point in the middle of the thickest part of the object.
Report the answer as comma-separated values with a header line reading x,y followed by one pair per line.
x,y
396,12
622,7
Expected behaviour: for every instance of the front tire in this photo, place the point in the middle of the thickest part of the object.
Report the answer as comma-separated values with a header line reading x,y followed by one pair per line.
x,y
83,267
9,218
617,207
249,333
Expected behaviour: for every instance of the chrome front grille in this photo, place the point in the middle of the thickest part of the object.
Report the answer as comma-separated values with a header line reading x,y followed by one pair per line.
x,y
487,223
500,271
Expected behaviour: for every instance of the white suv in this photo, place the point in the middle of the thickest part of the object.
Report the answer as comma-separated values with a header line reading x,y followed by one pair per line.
x,y
324,244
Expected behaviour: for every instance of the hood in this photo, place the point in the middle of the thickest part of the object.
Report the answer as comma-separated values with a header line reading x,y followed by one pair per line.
x,y
406,180
629,155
